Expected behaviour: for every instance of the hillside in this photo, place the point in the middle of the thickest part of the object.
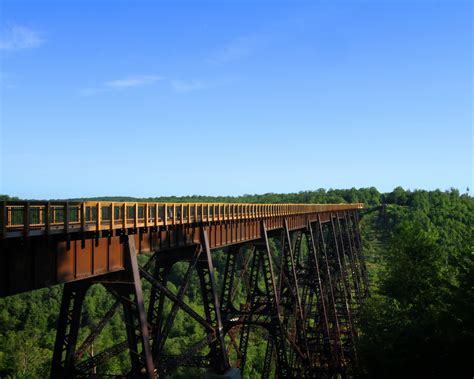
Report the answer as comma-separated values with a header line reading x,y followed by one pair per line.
x,y
420,254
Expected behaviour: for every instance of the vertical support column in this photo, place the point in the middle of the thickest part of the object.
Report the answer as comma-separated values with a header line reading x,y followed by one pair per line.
x,y
365,277
228,281
253,290
327,356
267,362
344,295
68,329
291,266
291,270
219,358
358,253
341,257
334,320
355,274
156,306
296,246
277,329
135,316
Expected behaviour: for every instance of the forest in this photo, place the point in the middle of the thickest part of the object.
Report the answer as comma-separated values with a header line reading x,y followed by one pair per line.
x,y
417,322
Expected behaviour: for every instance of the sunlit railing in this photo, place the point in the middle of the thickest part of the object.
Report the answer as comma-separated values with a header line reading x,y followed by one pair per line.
x,y
25,218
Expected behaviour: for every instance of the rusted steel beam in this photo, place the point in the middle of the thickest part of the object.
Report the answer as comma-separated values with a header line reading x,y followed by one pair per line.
x,y
321,311
134,314
185,307
306,306
68,330
278,331
218,355
331,283
82,253
166,329
126,287
86,344
343,292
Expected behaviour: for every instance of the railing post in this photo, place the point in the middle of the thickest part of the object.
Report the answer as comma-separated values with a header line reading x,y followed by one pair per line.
x,y
47,220
135,217
165,216
66,217
9,216
53,214
26,218
98,216
112,217
40,215
146,215
124,216
4,218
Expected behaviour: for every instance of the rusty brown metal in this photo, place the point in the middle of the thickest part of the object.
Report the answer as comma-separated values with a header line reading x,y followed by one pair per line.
x,y
47,243
308,306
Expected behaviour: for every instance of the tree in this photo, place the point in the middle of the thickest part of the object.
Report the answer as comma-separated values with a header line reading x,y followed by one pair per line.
x,y
407,327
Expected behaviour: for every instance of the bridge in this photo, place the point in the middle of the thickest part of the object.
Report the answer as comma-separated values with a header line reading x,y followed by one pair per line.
x,y
294,278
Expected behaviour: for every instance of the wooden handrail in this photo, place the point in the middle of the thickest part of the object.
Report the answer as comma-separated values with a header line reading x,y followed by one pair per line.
x,y
15,215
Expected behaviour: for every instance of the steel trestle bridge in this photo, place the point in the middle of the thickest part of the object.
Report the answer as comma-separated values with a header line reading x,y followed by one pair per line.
x,y
294,278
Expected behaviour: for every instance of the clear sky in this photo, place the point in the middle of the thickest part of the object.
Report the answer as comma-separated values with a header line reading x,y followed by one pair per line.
x,y
145,98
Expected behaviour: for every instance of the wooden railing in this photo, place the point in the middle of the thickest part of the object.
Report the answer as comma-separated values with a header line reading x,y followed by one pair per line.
x,y
25,218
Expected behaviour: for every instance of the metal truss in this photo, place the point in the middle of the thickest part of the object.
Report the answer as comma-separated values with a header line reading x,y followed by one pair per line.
x,y
127,290
298,291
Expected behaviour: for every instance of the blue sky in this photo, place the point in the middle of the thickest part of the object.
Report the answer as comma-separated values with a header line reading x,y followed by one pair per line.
x,y
224,98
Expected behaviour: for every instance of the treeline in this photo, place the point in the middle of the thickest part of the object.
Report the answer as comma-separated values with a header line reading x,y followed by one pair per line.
x,y
370,196
418,321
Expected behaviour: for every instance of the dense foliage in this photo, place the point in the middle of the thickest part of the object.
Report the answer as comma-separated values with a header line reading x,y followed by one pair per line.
x,y
418,321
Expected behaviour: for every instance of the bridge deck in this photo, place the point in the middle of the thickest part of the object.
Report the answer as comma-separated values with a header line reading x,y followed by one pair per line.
x,y
45,243
33,218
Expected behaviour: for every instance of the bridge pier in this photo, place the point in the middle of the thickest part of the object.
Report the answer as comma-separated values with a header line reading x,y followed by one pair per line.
x,y
126,287
199,262
307,304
